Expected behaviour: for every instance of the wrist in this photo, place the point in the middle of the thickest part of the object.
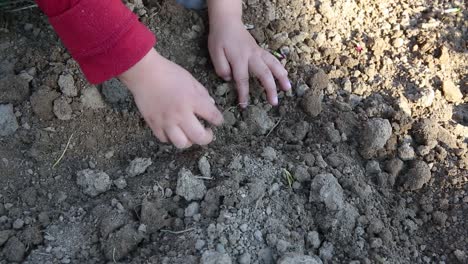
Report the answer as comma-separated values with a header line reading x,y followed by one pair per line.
x,y
224,11
139,72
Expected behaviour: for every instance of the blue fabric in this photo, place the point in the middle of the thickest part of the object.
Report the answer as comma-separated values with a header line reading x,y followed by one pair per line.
x,y
193,4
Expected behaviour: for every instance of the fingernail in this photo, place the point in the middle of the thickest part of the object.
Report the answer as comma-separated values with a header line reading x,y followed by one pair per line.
x,y
227,78
243,105
275,100
289,85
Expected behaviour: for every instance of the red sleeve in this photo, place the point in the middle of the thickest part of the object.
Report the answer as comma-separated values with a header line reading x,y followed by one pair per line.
x,y
103,36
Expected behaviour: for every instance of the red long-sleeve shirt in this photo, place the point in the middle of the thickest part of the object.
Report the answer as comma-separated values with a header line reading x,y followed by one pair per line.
x,y
103,36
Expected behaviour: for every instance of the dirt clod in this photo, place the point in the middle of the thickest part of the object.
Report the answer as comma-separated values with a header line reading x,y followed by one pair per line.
x,y
418,175
326,189
121,243
295,258
375,135
91,98
213,257
62,109
189,187
138,166
42,102
67,85
154,215
93,182
13,90
451,91
14,250
258,120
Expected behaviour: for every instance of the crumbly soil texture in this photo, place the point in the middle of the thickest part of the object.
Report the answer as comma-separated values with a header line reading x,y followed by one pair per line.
x,y
365,161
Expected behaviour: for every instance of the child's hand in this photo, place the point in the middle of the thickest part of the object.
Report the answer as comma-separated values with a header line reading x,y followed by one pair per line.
x,y
234,53
170,100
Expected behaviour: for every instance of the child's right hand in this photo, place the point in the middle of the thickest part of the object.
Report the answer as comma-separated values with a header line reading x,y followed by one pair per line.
x,y
171,101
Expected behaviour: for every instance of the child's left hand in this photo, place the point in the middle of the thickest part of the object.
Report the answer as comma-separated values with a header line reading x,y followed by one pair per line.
x,y
235,53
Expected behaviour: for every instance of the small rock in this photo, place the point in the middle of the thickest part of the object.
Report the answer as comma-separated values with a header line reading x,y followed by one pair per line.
x,y
460,255
200,244
258,120
121,243
62,109
245,258
213,257
406,152
376,242
93,182
418,175
325,188
14,250
451,91
332,133
373,167
222,89
312,102
425,131
190,187
120,183
313,239
229,118
4,236
138,166
18,223
398,42
269,153
326,251
67,85
14,90
114,91
375,135
192,209
204,167
302,89
8,123
282,245
42,102
91,98
296,258
301,174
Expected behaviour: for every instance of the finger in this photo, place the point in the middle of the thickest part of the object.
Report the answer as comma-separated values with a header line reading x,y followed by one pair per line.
x,y
208,111
178,137
278,70
241,77
221,64
159,133
196,133
263,73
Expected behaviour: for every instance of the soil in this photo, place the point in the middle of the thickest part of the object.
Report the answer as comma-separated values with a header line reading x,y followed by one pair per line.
x,y
365,161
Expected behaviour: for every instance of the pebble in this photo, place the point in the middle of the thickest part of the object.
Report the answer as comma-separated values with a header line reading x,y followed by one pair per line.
x,y
8,122
296,258
258,120
244,227
62,109
398,42
192,209
91,98
213,257
325,188
18,224
245,258
301,174
190,187
326,251
120,183
375,135
200,244
258,235
222,89
313,239
373,167
418,175
138,166
302,89
406,152
93,182
67,85
452,92
204,167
